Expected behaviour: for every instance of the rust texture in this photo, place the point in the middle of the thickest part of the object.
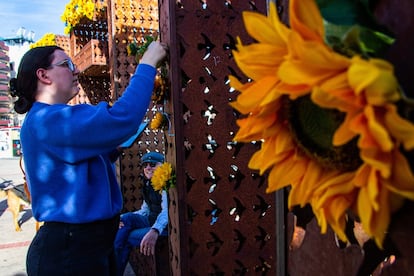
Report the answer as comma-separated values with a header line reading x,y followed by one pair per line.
x,y
225,221
131,21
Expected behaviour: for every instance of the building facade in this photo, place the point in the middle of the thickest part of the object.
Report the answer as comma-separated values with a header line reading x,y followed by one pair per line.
x,y
6,69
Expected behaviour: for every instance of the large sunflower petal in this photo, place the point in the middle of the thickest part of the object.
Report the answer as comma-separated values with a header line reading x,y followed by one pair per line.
x,y
375,78
334,183
258,60
381,161
302,191
332,100
236,84
280,27
268,34
377,130
368,179
305,18
262,160
336,93
281,145
372,132
402,181
335,196
252,95
345,132
310,62
286,172
375,222
401,129
335,214
253,128
293,91
284,141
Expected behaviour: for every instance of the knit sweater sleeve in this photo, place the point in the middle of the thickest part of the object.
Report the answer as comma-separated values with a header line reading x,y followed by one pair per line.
x,y
82,131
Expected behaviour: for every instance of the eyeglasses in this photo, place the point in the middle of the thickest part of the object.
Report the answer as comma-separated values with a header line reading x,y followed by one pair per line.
x,y
67,63
152,165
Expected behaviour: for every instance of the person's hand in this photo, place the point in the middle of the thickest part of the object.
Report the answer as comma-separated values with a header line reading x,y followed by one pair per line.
x,y
155,53
147,246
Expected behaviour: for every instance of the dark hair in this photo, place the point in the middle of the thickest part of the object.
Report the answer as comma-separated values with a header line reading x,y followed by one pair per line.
x,y
25,85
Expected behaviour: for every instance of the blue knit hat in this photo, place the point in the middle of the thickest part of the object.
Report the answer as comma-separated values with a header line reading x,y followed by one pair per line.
x,y
152,157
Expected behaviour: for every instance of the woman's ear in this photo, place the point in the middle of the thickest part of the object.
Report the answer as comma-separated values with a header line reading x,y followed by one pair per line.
x,y
41,74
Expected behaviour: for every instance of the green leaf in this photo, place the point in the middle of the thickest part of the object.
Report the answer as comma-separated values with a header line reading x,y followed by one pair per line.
x,y
351,40
351,12
374,43
141,49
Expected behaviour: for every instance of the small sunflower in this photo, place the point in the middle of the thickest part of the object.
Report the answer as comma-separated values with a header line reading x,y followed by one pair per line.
x,y
48,39
160,121
75,10
328,121
132,49
160,89
163,177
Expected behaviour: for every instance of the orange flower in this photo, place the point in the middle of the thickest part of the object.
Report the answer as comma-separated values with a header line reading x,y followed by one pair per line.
x,y
163,177
287,65
159,121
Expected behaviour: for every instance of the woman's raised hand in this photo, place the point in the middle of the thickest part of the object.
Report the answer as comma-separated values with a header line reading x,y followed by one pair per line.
x,y
155,53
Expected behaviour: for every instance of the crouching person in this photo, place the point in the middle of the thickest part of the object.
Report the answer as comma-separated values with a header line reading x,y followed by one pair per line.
x,y
142,228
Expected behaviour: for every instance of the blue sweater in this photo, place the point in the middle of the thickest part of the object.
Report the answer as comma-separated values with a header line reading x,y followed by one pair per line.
x,y
66,153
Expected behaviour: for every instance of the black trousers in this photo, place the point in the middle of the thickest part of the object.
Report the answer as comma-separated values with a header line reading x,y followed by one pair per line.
x,y
73,249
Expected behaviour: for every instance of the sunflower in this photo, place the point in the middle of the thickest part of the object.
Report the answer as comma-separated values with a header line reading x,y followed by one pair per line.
x,y
163,177
160,88
328,121
75,10
159,121
48,39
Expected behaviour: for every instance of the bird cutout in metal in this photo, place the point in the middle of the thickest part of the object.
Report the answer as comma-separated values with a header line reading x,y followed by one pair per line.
x,y
191,213
237,177
208,46
214,212
238,210
211,146
230,45
208,71
241,269
264,267
236,146
262,237
262,207
189,180
210,113
215,244
193,247
213,179
240,239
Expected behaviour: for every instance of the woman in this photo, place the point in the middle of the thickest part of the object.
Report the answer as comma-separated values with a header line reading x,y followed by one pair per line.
x,y
67,151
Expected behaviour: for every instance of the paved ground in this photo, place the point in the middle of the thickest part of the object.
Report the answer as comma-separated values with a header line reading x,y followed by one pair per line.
x,y
14,245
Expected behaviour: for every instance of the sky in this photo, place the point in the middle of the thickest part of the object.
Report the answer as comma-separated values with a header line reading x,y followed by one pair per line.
x,y
39,16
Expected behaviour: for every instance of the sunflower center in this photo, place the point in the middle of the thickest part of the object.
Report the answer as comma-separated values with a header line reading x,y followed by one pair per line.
x,y
313,128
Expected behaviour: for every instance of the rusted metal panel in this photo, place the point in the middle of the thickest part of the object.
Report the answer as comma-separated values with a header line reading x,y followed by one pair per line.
x,y
131,21
226,223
